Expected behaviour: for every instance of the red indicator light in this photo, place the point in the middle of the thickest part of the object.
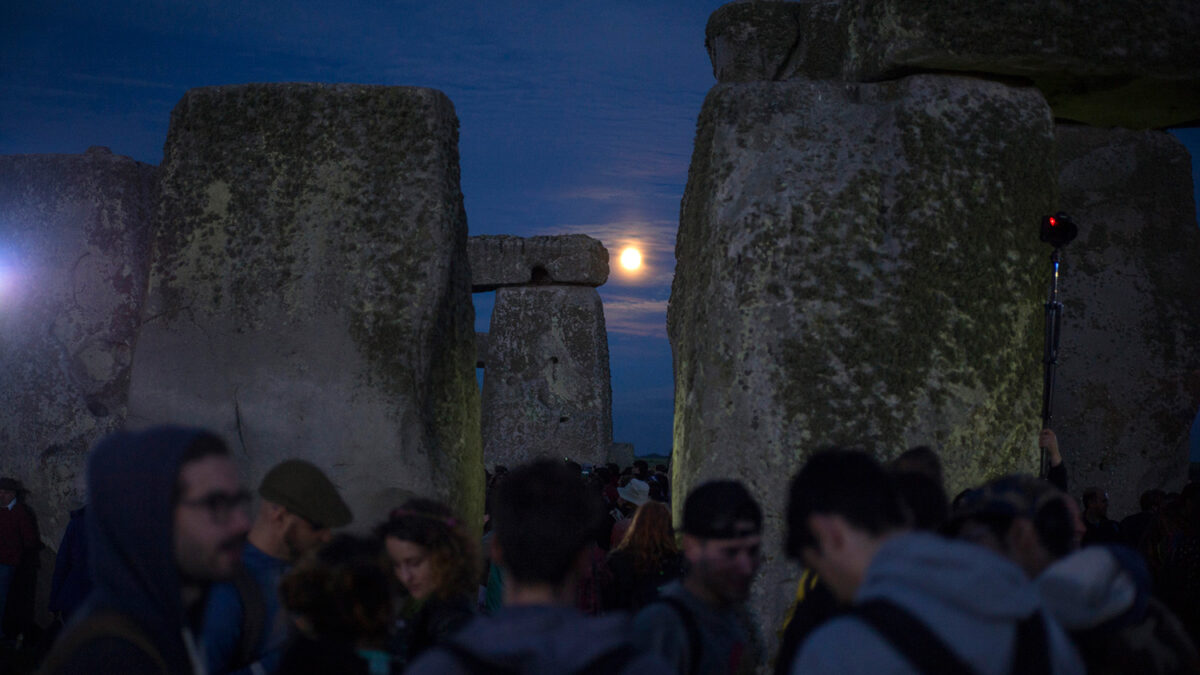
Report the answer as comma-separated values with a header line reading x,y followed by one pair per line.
x,y
1053,221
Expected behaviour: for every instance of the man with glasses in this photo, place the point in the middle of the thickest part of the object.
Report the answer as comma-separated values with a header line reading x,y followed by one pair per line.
x,y
244,631
167,518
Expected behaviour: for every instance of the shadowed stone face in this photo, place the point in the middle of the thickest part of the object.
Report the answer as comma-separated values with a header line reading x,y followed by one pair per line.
x,y
1129,379
546,390
1114,63
310,295
858,264
74,255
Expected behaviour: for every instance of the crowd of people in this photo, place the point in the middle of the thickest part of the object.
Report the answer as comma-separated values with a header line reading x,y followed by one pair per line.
x,y
581,570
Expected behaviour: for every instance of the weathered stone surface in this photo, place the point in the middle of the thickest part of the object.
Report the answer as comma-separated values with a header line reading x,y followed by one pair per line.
x,y
504,260
1129,374
858,264
310,294
74,259
620,454
546,388
1111,63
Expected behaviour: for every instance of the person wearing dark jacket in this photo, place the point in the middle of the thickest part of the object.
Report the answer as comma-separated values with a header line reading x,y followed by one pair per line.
x,y
167,517
18,539
544,519
72,581
437,564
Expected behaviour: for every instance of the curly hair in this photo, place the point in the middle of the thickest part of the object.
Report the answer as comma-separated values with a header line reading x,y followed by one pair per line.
x,y
342,589
452,553
650,538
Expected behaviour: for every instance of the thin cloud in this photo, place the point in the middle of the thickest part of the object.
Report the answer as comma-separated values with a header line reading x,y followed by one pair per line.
x,y
635,316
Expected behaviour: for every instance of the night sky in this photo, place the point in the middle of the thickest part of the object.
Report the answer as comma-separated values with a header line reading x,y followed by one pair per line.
x,y
576,117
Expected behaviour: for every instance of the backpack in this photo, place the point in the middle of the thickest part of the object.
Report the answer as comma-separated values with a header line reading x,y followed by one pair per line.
x,y
97,626
926,652
612,661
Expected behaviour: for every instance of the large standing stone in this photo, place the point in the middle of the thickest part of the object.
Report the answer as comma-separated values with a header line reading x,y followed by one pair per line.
x,y
1104,63
503,260
74,256
546,388
858,264
310,295
1129,379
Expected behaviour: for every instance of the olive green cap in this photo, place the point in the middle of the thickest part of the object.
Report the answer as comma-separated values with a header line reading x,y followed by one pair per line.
x,y
305,490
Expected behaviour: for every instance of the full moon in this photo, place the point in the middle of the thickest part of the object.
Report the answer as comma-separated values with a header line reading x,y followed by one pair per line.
x,y
631,259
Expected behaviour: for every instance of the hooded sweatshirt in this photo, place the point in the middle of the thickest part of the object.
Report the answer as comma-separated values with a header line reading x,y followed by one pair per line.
x,y
130,535
971,598
1101,596
538,639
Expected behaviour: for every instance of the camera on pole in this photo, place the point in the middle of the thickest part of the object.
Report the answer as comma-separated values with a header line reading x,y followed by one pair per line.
x,y
1058,231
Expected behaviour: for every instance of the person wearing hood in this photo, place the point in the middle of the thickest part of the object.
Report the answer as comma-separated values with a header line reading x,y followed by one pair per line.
x,y
544,519
918,602
1099,594
167,517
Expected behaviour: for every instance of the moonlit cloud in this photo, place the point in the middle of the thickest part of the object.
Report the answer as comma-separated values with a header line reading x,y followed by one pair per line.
x,y
630,315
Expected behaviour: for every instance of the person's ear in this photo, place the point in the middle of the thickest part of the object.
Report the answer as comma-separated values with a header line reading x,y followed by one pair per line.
x,y
275,513
828,531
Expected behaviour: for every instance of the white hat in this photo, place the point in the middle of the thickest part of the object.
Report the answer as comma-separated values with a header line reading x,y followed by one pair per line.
x,y
636,492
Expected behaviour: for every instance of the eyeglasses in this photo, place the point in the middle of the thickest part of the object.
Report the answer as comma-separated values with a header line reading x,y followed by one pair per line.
x,y
220,505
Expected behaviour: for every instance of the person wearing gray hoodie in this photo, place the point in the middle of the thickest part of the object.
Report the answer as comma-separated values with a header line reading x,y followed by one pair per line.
x,y
965,608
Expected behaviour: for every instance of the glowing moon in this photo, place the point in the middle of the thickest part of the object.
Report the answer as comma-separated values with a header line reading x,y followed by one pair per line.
x,y
631,258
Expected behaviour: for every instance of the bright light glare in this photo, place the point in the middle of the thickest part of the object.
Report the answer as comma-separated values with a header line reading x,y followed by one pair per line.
x,y
8,284
631,258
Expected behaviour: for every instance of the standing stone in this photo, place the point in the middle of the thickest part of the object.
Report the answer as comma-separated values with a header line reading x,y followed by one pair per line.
x,y
858,264
73,263
310,294
546,388
621,454
1129,374
1103,63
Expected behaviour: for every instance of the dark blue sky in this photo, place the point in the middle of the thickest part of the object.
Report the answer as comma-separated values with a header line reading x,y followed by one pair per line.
x,y
575,116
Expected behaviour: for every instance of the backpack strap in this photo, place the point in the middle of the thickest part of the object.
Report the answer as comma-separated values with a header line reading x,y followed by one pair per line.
x,y
1032,651
254,619
690,627
98,626
910,637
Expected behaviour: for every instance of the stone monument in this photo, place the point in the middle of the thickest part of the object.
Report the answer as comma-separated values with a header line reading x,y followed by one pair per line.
x,y
546,384
310,294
